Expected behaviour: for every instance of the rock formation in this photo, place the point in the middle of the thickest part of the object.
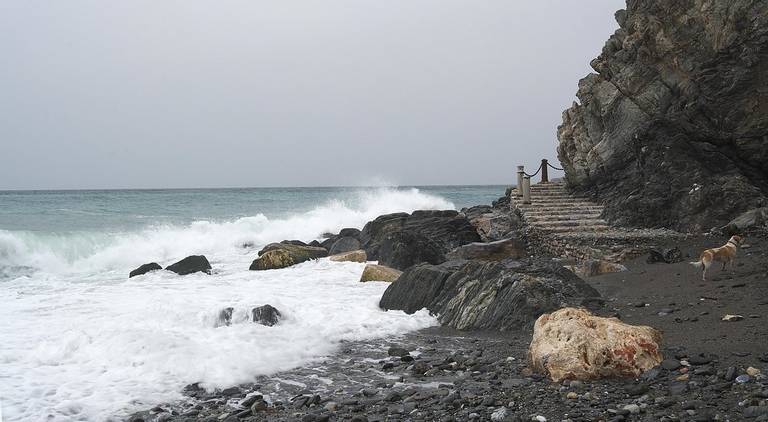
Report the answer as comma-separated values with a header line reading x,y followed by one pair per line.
x,y
435,232
503,295
191,264
373,272
152,266
574,344
351,256
281,255
266,315
672,130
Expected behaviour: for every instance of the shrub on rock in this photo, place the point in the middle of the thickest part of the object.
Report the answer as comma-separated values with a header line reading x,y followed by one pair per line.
x,y
191,264
152,266
373,272
266,315
574,344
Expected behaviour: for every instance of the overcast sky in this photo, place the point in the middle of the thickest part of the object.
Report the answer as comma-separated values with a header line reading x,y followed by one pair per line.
x,y
189,93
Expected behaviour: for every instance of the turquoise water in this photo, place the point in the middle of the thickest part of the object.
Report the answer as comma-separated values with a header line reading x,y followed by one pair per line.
x,y
89,210
83,341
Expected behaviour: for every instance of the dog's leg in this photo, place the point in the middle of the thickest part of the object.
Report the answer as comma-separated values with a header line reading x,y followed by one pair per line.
x,y
704,270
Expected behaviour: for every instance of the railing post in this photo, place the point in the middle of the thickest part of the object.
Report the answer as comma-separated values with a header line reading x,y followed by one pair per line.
x,y
520,173
526,190
544,175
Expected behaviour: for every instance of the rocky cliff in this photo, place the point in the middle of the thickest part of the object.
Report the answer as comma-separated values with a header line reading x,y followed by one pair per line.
x,y
672,130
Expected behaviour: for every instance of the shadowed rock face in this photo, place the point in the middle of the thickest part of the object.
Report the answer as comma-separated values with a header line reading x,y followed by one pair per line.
x,y
672,130
504,295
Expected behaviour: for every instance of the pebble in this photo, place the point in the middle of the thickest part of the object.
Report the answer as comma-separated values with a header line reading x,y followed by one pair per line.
x,y
753,372
632,408
539,418
732,318
499,414
572,396
743,378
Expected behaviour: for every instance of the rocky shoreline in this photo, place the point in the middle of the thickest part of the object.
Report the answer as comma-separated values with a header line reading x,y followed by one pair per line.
x,y
713,370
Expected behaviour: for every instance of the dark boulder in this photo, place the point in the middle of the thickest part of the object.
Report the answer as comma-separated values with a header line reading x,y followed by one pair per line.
x,y
505,295
670,256
294,242
225,317
350,232
405,248
672,130
447,229
493,223
281,255
491,251
315,243
191,264
266,315
344,244
152,266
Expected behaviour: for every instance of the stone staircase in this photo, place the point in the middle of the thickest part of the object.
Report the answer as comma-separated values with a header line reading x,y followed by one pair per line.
x,y
569,226
554,210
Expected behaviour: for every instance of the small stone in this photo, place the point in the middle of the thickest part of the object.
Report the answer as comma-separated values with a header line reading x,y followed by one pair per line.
x,y
730,373
632,408
572,396
539,418
682,378
499,414
744,378
670,364
732,318
331,406
752,371
397,351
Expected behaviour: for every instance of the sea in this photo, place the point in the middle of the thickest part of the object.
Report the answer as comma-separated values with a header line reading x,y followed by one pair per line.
x,y
80,341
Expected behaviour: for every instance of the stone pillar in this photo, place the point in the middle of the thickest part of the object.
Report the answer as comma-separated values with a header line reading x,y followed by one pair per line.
x,y
544,175
520,173
526,190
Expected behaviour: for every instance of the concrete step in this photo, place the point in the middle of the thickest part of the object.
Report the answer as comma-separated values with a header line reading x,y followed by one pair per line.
x,y
571,223
575,229
534,219
563,211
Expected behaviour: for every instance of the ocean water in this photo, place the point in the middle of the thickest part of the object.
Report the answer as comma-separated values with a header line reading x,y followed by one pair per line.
x,y
81,341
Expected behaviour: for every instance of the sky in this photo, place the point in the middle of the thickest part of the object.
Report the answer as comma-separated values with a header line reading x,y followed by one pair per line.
x,y
247,93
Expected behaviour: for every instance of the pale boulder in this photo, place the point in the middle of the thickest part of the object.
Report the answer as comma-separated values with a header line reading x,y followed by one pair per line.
x,y
351,256
574,344
594,267
373,272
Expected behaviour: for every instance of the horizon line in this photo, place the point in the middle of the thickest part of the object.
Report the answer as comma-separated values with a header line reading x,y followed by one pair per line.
x,y
253,187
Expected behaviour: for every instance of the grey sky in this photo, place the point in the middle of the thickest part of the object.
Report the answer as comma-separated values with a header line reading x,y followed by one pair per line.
x,y
189,93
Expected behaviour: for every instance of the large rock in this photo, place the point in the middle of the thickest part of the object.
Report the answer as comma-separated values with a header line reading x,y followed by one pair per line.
x,y
504,295
405,248
191,264
447,229
492,222
152,266
756,218
351,256
373,272
491,251
595,267
672,130
574,344
281,255
344,244
266,315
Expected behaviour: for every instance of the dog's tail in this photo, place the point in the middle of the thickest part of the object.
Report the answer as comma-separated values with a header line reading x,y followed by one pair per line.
x,y
697,264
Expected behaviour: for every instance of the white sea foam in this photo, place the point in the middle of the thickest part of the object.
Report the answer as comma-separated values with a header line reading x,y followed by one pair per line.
x,y
80,341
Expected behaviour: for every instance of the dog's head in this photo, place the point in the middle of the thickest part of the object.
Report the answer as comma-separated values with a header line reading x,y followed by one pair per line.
x,y
736,240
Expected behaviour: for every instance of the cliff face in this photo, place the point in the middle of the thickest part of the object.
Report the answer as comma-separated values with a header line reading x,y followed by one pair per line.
x,y
672,130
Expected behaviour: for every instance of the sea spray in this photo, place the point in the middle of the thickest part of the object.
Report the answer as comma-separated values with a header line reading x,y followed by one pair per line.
x,y
81,341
